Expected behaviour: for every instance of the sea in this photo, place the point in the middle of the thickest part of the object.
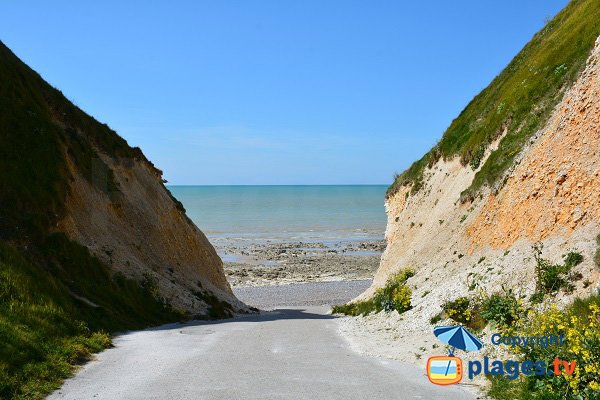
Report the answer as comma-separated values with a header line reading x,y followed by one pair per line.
x,y
307,213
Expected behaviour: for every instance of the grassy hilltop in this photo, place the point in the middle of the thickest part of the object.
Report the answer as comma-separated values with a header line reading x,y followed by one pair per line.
x,y
519,100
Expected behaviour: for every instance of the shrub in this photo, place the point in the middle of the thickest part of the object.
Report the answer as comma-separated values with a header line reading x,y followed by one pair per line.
x,y
571,259
502,308
395,295
363,307
435,319
551,277
402,276
401,298
477,322
466,311
458,310
477,156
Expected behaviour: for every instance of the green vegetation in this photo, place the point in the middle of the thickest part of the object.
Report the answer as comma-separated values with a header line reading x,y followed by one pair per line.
x,y
519,100
550,277
580,325
465,311
502,308
58,303
395,295
39,125
217,309
50,321
503,388
458,310
436,318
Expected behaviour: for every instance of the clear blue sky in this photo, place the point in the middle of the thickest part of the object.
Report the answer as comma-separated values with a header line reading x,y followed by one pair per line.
x,y
273,92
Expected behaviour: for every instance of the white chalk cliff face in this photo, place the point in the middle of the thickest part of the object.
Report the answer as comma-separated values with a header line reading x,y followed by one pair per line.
x,y
141,231
551,194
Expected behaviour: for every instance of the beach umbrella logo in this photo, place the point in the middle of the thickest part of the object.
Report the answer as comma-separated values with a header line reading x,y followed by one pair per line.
x,y
458,337
447,370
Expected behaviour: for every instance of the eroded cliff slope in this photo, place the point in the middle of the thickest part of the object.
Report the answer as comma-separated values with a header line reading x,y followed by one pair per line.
x,y
91,241
519,167
63,172
466,216
551,195
139,230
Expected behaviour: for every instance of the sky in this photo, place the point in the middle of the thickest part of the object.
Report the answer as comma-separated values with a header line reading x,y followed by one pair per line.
x,y
273,92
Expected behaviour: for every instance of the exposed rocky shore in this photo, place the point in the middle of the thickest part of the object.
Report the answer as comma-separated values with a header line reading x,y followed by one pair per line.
x,y
274,263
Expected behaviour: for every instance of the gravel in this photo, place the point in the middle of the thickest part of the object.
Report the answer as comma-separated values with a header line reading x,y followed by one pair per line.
x,y
302,294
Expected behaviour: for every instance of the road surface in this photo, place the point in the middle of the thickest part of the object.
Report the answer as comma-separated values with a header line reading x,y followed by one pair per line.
x,y
290,353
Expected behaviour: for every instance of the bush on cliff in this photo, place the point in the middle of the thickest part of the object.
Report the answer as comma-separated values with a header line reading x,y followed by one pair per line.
x,y
395,295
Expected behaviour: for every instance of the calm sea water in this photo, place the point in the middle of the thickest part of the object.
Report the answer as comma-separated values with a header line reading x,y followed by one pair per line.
x,y
353,212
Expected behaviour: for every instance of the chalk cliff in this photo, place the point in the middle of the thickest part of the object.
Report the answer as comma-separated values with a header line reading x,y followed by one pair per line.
x,y
64,172
520,165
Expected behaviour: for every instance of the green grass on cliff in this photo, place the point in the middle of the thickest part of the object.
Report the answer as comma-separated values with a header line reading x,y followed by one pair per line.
x,y
46,329
37,126
520,99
